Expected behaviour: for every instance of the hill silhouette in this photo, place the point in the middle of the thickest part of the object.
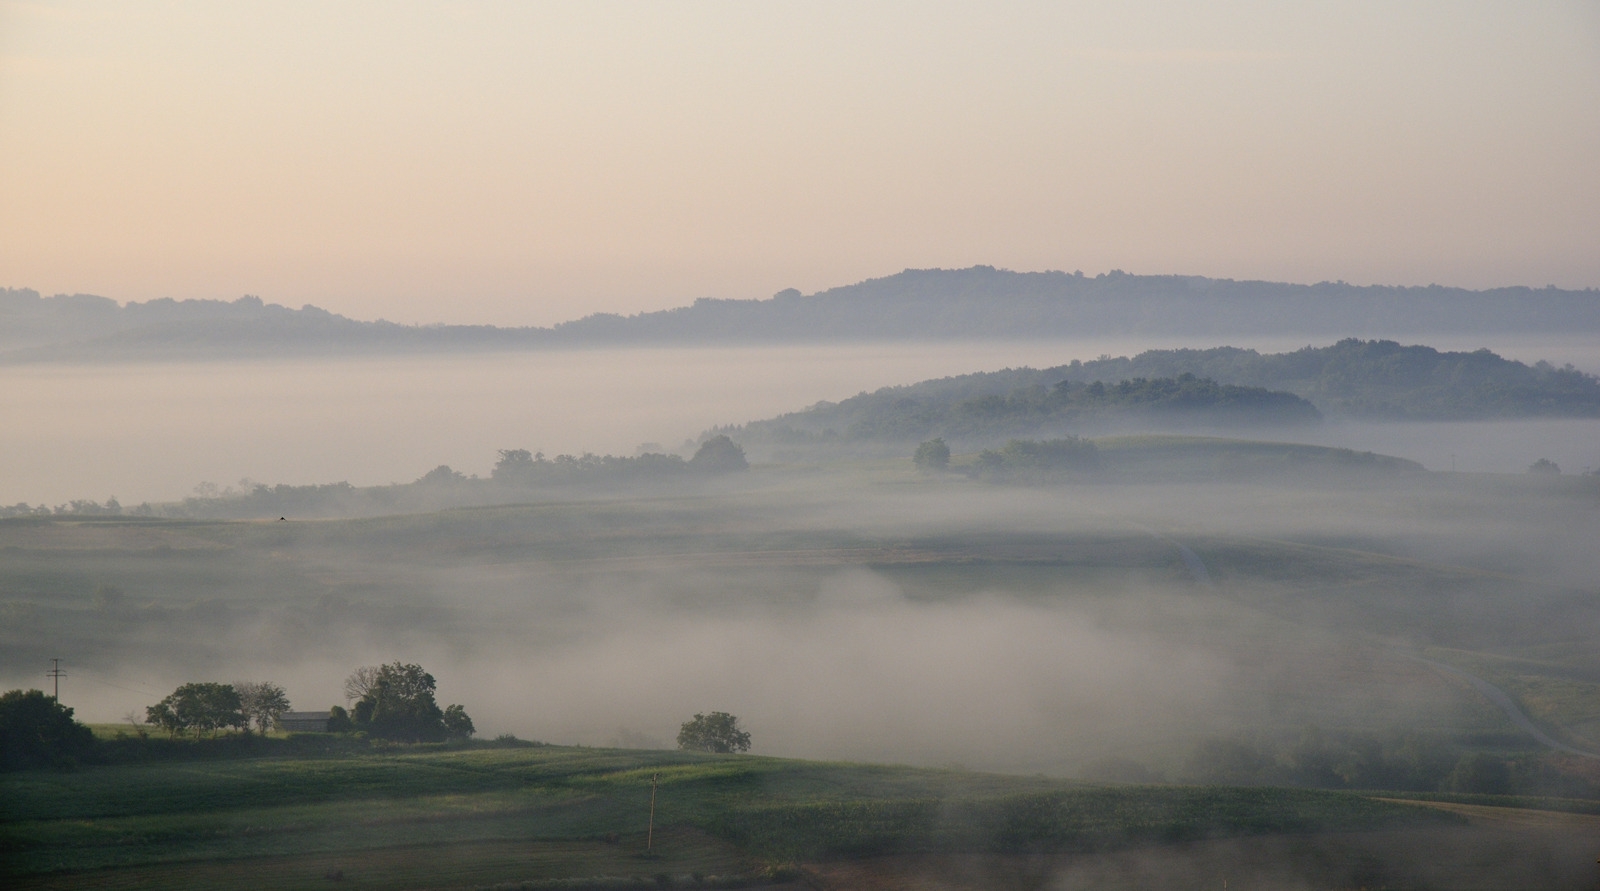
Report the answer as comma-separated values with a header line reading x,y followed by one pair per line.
x,y
917,304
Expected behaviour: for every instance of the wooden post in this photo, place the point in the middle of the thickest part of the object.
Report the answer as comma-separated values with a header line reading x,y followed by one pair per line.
x,y
650,836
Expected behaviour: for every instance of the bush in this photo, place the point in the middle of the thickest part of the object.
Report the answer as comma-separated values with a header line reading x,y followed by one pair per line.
x,y
38,731
719,454
932,455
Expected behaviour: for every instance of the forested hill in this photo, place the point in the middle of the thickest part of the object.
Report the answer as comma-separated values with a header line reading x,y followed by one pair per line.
x,y
1226,385
917,304
1376,378
960,410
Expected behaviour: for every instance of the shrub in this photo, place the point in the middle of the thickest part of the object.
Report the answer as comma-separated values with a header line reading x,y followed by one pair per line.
x,y
38,731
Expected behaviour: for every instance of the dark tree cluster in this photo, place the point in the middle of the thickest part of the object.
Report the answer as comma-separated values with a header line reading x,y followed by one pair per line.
x,y
921,412
37,731
1035,459
78,507
393,702
210,708
525,469
1352,377
932,456
519,467
199,708
262,702
396,702
719,454
1377,378
717,732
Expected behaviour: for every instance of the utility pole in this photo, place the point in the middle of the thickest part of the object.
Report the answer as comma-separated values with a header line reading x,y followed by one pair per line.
x,y
57,674
650,837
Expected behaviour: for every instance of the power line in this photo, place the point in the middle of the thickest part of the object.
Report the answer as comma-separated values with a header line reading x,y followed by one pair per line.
x,y
57,674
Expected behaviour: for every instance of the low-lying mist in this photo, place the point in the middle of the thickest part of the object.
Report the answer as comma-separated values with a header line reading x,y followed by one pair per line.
x,y
882,616
153,432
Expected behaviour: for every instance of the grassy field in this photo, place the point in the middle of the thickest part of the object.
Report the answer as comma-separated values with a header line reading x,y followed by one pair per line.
x,y
486,815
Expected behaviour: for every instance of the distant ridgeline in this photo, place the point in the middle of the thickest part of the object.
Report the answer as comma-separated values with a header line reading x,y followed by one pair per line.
x,y
917,304
519,475
83,327
966,411
1193,388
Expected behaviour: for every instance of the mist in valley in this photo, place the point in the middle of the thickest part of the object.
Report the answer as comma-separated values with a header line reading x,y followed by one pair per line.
x,y
888,617
155,432
1205,609
607,404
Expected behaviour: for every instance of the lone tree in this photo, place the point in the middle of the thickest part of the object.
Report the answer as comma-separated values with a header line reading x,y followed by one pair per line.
x,y
717,732
262,702
719,454
38,731
456,723
932,455
199,707
398,704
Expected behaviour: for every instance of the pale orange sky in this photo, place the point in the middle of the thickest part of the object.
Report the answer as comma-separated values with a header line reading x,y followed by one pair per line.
x,y
521,163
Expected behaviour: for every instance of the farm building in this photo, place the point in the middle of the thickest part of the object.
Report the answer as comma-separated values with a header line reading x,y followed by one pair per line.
x,y
303,722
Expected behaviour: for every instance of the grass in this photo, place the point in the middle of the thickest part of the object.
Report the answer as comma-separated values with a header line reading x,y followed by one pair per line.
x,y
550,812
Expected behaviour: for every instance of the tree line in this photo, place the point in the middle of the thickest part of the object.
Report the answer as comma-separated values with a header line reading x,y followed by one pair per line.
x,y
1378,379
394,702
517,473
1353,378
920,412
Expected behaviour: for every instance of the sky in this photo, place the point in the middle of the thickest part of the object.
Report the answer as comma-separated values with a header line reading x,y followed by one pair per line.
x,y
527,163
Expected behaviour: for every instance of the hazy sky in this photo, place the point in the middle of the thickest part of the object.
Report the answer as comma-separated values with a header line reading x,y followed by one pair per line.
x,y
526,163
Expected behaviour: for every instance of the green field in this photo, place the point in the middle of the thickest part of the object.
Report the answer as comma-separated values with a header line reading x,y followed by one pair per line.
x,y
485,815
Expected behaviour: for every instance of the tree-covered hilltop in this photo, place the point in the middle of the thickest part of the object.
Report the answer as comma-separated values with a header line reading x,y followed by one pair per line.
x,y
958,410
1225,385
1377,378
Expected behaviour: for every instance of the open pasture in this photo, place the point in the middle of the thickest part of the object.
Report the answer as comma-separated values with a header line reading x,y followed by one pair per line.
x,y
447,818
